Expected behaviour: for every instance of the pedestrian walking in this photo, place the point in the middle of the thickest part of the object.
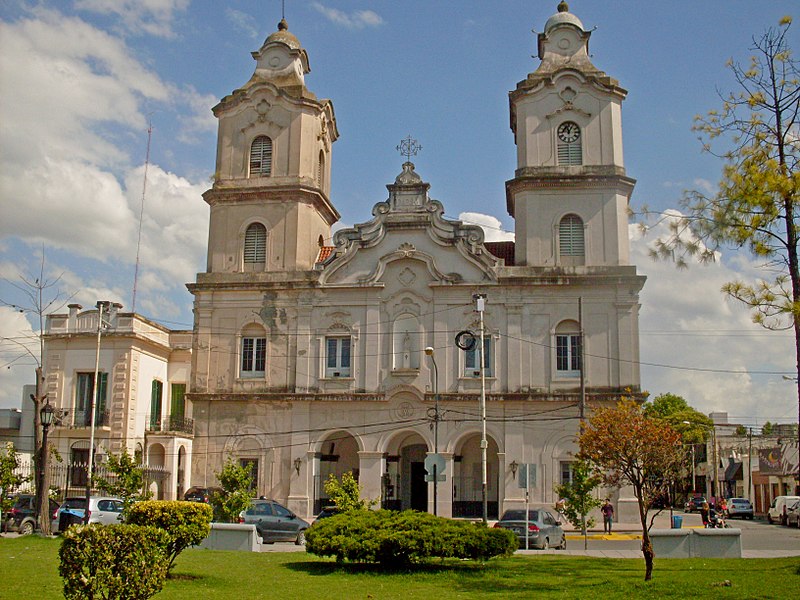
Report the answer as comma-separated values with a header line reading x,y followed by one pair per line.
x,y
608,515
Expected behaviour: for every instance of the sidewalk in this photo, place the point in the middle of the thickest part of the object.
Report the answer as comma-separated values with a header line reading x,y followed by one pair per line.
x,y
662,521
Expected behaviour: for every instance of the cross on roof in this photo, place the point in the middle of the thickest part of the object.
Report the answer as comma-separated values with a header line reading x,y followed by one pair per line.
x,y
409,147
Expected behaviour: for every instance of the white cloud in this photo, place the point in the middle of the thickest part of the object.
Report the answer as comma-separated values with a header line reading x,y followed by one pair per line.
x,y
492,227
242,21
705,186
687,323
358,19
70,179
153,17
18,347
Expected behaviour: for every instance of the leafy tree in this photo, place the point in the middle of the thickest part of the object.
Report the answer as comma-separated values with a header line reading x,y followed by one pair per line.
x,y
767,428
741,430
128,482
9,479
693,425
346,494
580,500
236,483
627,447
757,205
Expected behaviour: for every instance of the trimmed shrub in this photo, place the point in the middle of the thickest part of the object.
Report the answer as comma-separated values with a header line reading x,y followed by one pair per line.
x,y
114,562
402,538
186,523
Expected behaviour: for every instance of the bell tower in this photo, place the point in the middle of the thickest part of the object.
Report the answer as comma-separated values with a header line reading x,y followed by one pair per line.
x,y
570,194
270,198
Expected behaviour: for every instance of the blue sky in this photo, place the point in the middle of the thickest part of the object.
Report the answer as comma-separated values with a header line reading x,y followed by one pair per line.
x,y
79,81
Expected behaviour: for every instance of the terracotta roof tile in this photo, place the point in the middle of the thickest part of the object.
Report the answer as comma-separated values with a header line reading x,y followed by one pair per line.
x,y
325,253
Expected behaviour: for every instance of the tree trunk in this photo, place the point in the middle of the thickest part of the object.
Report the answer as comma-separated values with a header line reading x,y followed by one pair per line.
x,y
647,550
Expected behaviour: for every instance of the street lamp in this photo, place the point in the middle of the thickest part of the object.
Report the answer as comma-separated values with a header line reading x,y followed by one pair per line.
x,y
43,503
429,352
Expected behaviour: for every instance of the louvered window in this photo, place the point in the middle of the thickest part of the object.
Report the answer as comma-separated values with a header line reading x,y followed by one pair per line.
x,y
255,244
261,157
570,154
320,168
571,247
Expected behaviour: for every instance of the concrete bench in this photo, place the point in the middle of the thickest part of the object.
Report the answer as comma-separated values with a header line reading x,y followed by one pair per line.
x,y
717,543
232,536
700,543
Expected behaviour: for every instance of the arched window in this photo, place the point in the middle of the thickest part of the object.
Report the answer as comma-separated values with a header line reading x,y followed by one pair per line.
x,y
321,168
570,149
261,157
255,247
568,349
571,246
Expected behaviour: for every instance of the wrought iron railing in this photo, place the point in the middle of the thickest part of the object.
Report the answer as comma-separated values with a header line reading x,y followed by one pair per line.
x,y
170,423
83,418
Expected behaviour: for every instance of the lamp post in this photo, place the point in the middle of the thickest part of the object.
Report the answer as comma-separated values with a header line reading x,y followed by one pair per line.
x,y
429,352
43,498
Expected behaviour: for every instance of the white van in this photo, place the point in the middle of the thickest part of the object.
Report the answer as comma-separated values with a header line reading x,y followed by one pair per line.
x,y
777,510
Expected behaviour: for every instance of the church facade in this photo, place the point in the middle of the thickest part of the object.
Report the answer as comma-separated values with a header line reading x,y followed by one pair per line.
x,y
312,359
400,343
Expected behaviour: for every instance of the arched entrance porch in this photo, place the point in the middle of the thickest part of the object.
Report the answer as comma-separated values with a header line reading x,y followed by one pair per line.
x,y
338,454
404,485
468,478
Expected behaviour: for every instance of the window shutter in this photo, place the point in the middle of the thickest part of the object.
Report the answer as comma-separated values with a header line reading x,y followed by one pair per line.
x,y
261,157
570,236
255,244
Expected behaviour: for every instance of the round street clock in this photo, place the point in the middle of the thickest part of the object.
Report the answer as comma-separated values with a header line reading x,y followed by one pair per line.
x,y
569,132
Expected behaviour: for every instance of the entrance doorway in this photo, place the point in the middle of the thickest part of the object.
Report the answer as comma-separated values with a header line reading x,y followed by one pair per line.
x,y
419,487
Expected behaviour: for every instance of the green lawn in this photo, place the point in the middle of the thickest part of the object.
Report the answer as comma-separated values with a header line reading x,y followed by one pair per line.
x,y
29,569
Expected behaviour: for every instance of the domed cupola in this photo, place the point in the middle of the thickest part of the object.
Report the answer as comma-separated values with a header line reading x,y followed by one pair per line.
x,y
281,60
564,41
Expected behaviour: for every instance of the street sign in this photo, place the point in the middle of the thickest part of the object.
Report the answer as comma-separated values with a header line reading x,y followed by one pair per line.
x,y
439,462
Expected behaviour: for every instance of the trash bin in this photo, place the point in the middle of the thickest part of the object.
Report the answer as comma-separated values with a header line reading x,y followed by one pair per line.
x,y
677,521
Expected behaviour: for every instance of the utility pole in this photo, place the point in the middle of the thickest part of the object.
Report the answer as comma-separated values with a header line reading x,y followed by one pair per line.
x,y
582,405
429,352
750,463
102,306
480,300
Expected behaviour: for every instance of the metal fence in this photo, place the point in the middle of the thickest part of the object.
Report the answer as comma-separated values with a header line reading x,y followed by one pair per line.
x,y
69,478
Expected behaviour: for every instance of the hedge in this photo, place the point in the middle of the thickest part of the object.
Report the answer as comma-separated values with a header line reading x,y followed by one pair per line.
x,y
402,538
186,523
114,562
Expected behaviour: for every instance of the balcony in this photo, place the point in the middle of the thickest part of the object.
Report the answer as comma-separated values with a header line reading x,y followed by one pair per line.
x,y
83,418
170,424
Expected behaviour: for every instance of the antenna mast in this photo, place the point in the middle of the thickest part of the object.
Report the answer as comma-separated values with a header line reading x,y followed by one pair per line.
x,y
141,213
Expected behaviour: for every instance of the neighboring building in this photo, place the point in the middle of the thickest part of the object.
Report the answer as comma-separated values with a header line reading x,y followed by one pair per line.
x,y
749,464
16,426
307,358
143,372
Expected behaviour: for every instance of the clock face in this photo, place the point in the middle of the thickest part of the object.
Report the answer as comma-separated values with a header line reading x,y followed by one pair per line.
x,y
569,132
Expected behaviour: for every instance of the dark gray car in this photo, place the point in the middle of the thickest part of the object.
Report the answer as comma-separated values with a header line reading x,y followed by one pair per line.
x,y
542,530
274,522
